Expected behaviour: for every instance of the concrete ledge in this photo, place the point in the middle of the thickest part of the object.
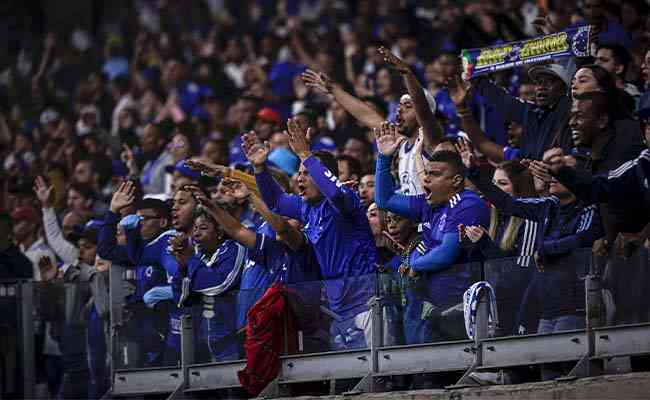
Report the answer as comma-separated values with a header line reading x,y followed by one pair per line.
x,y
615,387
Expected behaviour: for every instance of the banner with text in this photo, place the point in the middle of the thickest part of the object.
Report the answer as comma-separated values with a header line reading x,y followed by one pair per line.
x,y
569,42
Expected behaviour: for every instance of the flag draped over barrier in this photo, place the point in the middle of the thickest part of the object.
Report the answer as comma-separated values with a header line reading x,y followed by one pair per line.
x,y
569,42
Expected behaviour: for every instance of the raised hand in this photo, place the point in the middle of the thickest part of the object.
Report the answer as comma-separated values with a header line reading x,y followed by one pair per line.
x,y
458,89
555,159
47,268
123,196
540,170
128,159
388,138
207,168
298,138
200,197
318,80
466,153
393,61
44,193
181,249
626,243
474,233
256,151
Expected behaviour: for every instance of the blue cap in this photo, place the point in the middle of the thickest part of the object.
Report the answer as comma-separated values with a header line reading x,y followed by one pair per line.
x,y
284,159
184,170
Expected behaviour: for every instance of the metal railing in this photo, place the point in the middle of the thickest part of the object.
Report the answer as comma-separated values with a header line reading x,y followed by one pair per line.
x,y
307,358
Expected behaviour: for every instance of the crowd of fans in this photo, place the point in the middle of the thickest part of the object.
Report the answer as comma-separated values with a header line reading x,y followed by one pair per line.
x,y
219,148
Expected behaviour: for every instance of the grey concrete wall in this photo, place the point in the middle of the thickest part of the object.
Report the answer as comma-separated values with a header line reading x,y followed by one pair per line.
x,y
626,386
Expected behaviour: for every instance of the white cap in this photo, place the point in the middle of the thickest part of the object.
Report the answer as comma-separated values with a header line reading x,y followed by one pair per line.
x,y
433,106
49,115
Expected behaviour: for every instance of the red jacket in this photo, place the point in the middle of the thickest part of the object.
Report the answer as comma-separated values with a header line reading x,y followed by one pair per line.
x,y
265,339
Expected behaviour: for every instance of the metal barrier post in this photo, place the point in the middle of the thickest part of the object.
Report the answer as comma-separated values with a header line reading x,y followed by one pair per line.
x,y
187,355
587,366
26,296
367,383
116,298
482,320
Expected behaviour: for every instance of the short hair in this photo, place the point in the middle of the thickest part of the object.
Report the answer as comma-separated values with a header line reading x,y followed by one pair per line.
x,y
452,159
328,160
159,206
86,191
353,164
90,235
599,101
620,54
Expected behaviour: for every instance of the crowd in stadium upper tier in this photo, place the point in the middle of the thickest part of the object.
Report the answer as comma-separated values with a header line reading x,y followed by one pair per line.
x,y
218,147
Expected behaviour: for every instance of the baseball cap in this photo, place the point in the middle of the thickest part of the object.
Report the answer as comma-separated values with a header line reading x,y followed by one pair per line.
x,y
556,70
184,170
285,160
49,115
269,115
25,214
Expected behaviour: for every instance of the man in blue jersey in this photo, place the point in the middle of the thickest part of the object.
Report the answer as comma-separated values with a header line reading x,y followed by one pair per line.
x,y
147,234
336,225
285,255
444,205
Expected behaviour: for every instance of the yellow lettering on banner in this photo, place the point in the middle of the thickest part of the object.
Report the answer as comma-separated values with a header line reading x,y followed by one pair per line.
x,y
549,44
492,56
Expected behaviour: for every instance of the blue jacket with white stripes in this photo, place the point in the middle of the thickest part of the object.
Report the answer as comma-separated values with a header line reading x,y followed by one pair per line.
x,y
625,189
553,229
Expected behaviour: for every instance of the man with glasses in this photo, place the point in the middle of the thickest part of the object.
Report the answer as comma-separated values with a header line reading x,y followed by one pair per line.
x,y
147,233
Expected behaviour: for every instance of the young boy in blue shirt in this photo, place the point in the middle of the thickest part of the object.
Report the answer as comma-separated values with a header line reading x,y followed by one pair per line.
x,y
335,224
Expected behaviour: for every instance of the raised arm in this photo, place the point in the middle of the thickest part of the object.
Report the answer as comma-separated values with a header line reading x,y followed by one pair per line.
x,y
513,108
424,110
589,189
359,109
289,234
342,199
220,171
458,90
68,252
385,196
230,224
272,194
107,247
528,208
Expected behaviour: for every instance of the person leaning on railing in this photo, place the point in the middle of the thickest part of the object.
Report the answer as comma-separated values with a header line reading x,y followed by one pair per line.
x,y
562,224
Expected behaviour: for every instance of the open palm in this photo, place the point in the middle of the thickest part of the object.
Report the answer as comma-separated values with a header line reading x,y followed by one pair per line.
x,y
317,80
256,151
388,138
466,153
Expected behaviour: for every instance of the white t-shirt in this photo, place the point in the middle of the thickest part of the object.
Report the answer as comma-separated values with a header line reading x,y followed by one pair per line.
x,y
410,166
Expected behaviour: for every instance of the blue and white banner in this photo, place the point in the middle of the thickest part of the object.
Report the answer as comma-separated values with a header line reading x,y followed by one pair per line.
x,y
569,42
